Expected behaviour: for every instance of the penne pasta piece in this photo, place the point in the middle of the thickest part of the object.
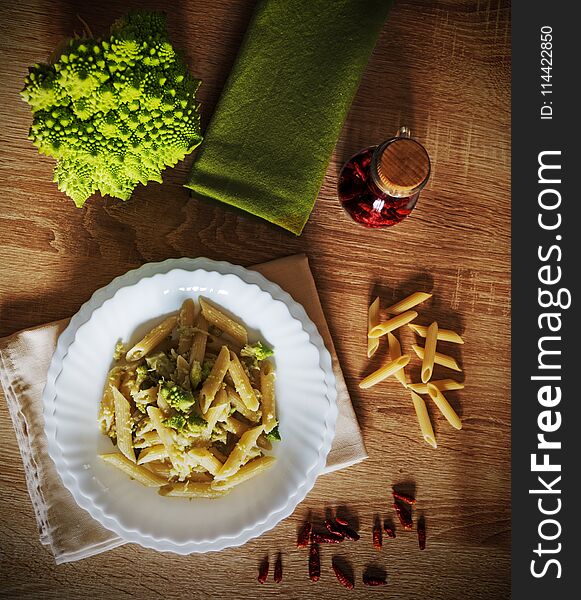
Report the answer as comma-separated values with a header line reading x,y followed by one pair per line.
x,y
162,403
407,303
199,341
159,467
424,420
242,383
239,454
386,371
444,406
123,424
219,455
233,425
218,410
166,438
204,458
107,408
394,354
134,471
444,335
372,321
214,381
191,489
442,384
152,453
263,443
152,339
185,326
149,438
267,377
249,470
223,322
439,358
392,324
236,402
429,352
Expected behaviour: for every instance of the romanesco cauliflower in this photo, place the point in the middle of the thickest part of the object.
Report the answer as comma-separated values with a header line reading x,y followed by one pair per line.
x,y
114,112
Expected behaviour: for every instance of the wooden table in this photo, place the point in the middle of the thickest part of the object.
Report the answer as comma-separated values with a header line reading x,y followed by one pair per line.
x,y
443,68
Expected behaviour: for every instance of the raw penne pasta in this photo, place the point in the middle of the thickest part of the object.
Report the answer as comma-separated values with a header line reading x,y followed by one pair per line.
x,y
185,325
199,341
439,358
236,402
141,474
442,384
239,454
386,371
372,321
444,406
424,420
394,354
223,322
215,379
429,352
249,470
123,424
204,458
269,421
152,453
152,339
242,383
392,324
407,303
191,489
444,335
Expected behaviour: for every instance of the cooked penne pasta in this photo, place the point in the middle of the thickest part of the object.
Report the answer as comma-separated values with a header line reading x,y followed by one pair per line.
x,y
239,454
152,453
107,408
269,421
439,358
242,383
407,303
394,354
386,371
199,340
214,381
191,489
152,339
444,406
150,438
123,424
235,426
236,402
372,321
444,335
141,474
442,384
185,325
223,322
204,458
429,352
218,410
221,457
392,324
166,438
249,470
159,467
424,420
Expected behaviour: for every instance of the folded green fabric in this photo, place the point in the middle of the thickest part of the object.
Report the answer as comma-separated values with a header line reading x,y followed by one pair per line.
x,y
270,140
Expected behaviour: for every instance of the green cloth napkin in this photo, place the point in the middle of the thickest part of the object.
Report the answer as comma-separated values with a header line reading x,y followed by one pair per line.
x,y
270,140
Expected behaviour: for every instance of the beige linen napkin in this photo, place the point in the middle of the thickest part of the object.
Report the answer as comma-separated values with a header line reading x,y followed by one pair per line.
x,y
68,531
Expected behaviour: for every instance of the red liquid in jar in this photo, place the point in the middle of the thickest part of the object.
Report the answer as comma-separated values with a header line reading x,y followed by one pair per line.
x,y
363,201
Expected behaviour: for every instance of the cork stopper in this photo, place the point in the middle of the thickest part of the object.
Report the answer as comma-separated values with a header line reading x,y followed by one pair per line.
x,y
403,166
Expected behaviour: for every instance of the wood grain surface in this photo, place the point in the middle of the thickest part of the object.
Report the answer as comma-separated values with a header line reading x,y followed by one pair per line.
x,y
442,67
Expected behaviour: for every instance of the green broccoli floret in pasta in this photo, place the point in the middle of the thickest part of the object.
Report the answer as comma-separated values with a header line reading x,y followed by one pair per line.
x,y
256,353
176,396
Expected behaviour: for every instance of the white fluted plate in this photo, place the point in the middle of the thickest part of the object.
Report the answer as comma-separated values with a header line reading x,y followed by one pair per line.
x,y
306,401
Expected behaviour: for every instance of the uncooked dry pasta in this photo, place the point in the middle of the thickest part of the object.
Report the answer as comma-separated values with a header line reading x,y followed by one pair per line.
x,y
439,358
407,303
424,420
429,352
372,321
394,354
444,406
384,372
444,335
392,324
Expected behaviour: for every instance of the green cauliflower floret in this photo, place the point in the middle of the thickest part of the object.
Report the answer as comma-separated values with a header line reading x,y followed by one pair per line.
x,y
273,435
119,351
141,376
176,396
256,353
207,366
114,112
186,424
160,365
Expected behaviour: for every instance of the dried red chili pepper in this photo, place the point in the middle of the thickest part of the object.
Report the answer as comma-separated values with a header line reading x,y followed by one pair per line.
x,y
334,528
341,521
389,532
405,498
326,538
263,571
374,581
342,577
314,563
304,537
405,516
422,534
278,569
377,541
